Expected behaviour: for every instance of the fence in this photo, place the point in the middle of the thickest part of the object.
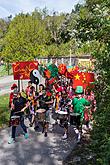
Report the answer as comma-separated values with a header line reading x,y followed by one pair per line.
x,y
74,60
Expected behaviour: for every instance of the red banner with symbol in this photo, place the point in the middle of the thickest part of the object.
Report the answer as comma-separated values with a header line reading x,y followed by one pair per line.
x,y
21,70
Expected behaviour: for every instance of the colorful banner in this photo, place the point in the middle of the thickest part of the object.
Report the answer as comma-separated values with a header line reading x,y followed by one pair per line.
x,y
21,70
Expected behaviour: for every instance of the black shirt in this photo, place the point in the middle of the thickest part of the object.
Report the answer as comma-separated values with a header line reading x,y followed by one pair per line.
x,y
19,104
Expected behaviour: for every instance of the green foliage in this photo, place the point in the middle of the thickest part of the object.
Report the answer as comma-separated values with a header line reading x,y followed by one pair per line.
x,y
92,30
26,38
4,110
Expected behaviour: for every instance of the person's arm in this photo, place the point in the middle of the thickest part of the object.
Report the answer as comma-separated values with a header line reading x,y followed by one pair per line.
x,y
49,102
87,103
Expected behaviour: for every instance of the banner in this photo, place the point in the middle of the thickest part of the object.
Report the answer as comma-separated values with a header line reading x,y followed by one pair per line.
x,y
21,70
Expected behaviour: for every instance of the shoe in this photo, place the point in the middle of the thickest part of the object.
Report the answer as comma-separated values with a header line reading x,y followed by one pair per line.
x,y
36,127
78,141
45,135
31,124
11,140
64,136
26,136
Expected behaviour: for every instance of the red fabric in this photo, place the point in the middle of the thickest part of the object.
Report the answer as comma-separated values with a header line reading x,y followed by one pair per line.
x,y
28,90
51,81
21,70
13,86
83,79
86,115
47,73
62,69
11,98
59,89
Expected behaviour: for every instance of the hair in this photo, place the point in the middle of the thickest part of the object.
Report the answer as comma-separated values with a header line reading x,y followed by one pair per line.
x,y
30,82
41,85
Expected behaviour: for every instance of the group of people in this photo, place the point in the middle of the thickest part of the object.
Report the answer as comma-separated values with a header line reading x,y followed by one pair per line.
x,y
68,106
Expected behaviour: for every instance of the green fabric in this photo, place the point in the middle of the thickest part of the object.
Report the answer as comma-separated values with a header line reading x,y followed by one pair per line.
x,y
53,69
79,105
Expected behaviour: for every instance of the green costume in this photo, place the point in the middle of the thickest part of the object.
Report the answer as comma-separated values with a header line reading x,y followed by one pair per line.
x,y
79,105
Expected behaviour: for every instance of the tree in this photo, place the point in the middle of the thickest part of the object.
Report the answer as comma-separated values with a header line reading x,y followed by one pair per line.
x,y
93,27
26,37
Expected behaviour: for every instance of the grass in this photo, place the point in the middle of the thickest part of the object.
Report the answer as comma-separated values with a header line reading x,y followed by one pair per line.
x,y
4,110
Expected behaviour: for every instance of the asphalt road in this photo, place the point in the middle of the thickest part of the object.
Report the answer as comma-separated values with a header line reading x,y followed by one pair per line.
x,y
37,150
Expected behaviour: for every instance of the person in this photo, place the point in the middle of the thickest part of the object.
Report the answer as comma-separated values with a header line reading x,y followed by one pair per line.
x,y
39,100
30,89
79,103
45,101
18,109
14,89
31,99
64,106
30,93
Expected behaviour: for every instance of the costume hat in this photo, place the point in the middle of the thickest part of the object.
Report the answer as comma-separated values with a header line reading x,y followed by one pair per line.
x,y
79,90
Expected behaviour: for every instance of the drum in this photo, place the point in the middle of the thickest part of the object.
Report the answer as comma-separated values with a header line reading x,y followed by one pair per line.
x,y
62,114
15,121
75,119
41,115
63,117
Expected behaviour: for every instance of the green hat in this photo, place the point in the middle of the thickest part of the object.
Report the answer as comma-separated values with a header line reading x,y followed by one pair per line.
x,y
79,90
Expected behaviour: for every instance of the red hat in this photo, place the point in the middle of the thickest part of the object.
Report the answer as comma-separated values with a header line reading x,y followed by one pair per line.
x,y
13,86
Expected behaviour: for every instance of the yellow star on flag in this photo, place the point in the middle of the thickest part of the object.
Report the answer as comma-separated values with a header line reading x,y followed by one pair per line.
x,y
77,77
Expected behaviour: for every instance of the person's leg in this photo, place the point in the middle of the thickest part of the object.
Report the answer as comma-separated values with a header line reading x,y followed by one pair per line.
x,y
26,135
32,120
65,136
12,138
22,124
13,131
46,123
36,126
46,129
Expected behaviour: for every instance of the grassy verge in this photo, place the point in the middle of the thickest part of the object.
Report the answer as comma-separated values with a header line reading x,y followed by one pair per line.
x,y
4,110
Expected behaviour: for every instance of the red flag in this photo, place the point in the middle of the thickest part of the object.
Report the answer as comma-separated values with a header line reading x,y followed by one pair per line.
x,y
83,79
47,73
78,79
21,70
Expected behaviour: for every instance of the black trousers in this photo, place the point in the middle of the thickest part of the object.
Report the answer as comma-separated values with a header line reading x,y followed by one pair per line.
x,y
21,124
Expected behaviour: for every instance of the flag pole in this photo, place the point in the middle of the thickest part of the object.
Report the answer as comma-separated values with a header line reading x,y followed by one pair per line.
x,y
70,57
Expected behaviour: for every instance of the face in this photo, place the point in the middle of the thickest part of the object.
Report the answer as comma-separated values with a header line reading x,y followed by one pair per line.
x,y
40,88
18,95
29,84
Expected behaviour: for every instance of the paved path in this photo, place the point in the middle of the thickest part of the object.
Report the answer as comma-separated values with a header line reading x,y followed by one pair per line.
x,y
37,150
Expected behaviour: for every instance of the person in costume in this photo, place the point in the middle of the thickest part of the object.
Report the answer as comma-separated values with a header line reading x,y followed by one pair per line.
x,y
14,89
79,103
18,110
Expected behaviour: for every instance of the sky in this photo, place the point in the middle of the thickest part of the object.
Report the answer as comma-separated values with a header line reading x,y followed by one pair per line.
x,y
13,7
